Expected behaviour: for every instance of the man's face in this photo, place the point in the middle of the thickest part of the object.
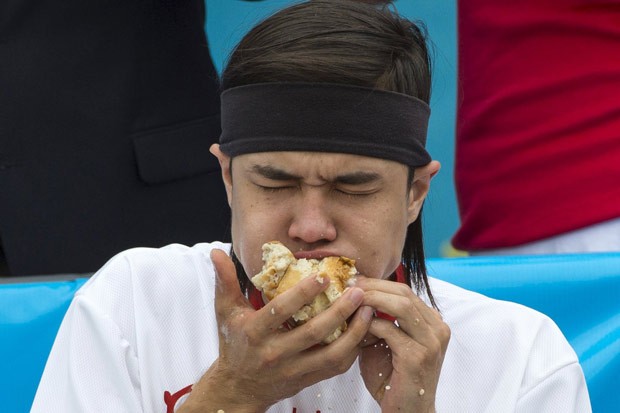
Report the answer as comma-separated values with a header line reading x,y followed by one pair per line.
x,y
321,204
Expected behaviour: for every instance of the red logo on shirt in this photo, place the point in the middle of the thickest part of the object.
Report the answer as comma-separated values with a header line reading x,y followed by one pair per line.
x,y
172,399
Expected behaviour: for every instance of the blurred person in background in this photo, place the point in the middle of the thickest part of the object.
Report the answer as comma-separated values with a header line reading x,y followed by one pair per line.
x,y
538,127
108,110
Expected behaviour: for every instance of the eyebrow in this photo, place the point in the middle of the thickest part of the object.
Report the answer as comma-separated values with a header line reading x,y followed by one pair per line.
x,y
353,178
275,174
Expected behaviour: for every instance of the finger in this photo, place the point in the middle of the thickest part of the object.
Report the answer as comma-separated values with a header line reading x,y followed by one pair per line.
x,y
228,296
320,327
283,306
357,329
419,364
322,362
336,358
421,357
394,337
410,320
386,286
332,363
370,285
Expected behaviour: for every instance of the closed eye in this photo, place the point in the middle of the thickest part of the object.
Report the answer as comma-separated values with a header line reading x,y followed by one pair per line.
x,y
275,188
355,194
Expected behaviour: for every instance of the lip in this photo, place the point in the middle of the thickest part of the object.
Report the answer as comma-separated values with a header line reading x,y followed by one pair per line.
x,y
317,254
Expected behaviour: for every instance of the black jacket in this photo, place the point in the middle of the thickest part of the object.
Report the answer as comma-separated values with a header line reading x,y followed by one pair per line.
x,y
107,112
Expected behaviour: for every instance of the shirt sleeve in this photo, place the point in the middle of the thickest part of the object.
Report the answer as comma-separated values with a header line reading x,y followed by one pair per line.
x,y
553,380
92,366
563,391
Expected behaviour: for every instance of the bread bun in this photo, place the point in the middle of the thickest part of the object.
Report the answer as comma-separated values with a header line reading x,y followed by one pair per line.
x,y
281,271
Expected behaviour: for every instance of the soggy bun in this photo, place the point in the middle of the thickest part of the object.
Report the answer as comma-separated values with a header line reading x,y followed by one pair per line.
x,y
281,271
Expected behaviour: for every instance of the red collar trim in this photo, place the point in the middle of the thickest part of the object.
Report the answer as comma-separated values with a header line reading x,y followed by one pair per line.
x,y
400,274
256,298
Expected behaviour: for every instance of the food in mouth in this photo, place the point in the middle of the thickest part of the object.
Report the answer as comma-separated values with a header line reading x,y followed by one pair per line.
x,y
281,271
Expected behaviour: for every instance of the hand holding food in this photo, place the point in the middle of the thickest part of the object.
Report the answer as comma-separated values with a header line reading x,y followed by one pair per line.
x,y
281,270
260,363
402,369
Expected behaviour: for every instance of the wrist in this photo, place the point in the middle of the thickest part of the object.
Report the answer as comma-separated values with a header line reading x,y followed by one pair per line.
x,y
205,404
196,407
217,393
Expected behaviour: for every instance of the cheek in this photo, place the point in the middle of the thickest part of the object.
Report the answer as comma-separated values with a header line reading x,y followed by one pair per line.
x,y
379,240
253,224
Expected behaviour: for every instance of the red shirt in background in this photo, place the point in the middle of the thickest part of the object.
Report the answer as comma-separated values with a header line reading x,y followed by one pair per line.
x,y
538,119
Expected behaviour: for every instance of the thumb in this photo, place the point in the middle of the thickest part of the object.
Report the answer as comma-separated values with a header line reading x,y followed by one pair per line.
x,y
228,295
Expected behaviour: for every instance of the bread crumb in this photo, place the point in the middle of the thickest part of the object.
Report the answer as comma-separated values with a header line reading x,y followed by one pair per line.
x,y
225,333
319,279
421,392
380,374
388,387
273,311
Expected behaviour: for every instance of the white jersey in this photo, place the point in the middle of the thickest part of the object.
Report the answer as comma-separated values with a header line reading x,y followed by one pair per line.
x,y
143,329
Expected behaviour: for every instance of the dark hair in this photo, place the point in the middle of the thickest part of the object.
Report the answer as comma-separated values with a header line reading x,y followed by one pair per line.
x,y
346,42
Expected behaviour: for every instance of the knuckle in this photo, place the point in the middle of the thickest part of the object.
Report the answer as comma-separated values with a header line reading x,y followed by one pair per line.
x,y
428,357
290,371
370,296
444,333
305,293
313,333
308,292
405,290
436,313
339,358
434,347
270,357
250,334
274,307
342,366
343,310
336,363
445,330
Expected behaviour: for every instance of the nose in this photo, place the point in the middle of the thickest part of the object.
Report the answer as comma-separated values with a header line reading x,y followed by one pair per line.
x,y
312,221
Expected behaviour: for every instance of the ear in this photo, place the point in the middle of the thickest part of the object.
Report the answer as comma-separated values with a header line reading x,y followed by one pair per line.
x,y
224,161
419,189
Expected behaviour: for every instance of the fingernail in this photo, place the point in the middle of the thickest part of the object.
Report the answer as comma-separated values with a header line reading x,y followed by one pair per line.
x,y
366,313
320,279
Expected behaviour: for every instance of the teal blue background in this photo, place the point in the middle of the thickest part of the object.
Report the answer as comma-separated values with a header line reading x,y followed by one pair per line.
x,y
229,20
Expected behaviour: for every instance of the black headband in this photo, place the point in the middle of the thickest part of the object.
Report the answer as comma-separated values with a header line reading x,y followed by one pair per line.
x,y
324,117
